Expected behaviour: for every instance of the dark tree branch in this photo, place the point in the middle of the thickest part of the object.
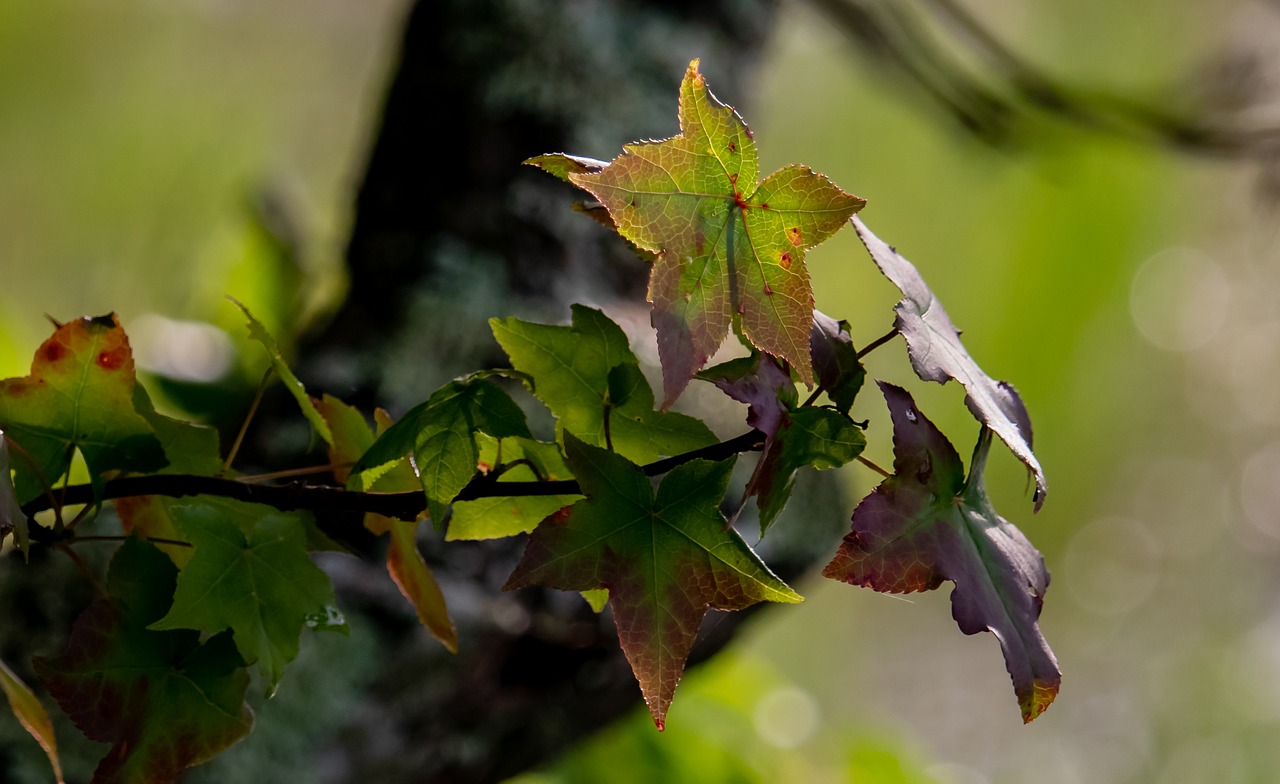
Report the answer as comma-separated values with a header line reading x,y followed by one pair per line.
x,y
326,498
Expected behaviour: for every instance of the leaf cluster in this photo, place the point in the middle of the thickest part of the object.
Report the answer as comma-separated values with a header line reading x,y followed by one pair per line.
x,y
624,502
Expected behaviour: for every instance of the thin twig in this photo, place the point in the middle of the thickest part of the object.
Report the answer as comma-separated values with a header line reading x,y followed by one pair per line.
x,y
244,426
156,540
293,472
878,342
874,467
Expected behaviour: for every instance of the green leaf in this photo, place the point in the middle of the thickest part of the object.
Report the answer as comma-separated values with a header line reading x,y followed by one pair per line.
x,y
163,699
79,395
251,574
816,437
352,437
933,344
12,519
560,165
835,360
259,333
571,367
665,559
726,245
440,434
499,516
927,523
32,715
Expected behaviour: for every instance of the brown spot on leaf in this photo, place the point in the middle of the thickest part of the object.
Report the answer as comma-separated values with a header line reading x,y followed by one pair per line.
x,y
785,260
764,205
733,147
768,292
793,234
733,178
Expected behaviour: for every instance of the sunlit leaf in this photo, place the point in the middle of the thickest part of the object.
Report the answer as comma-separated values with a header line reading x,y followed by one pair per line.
x,y
250,573
571,367
726,244
933,343
79,395
418,584
927,524
163,699
497,516
441,436
31,714
665,559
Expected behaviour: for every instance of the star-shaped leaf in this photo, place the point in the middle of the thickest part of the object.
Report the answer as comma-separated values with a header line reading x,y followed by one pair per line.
x,y
665,559
726,244
586,369
163,699
250,573
79,395
927,523
933,344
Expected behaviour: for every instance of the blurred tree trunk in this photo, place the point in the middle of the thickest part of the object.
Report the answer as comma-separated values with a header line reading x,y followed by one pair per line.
x,y
450,230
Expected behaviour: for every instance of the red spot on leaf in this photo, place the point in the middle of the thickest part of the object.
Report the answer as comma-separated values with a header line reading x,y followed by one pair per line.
x,y
113,359
793,234
733,148
764,205
51,352
785,260
768,292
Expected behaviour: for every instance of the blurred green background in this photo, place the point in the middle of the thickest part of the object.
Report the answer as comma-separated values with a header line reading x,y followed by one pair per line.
x,y
1129,291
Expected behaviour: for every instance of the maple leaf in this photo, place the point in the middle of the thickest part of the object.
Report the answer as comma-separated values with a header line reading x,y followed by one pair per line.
x,y
927,524
79,395
665,559
165,700
587,372
250,573
725,244
933,344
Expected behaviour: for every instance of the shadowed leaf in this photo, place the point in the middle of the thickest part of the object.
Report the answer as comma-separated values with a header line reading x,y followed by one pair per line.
x,y
163,699
499,516
12,519
665,559
250,573
835,361
927,524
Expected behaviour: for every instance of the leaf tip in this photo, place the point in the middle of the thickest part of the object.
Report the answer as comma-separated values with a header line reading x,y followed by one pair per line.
x,y
1038,699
